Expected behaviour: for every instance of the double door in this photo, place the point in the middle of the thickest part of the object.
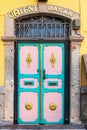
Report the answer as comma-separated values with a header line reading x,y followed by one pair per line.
x,y
41,83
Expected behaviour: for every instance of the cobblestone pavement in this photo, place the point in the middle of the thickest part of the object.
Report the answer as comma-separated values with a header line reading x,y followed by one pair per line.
x,y
43,127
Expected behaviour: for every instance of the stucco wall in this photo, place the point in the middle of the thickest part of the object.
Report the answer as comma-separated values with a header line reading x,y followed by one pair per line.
x,y
2,61
83,49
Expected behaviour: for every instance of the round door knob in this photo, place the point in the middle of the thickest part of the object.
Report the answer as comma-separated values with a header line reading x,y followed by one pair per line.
x,y
52,106
28,106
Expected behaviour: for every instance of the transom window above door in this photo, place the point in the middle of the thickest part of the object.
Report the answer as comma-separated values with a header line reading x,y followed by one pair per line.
x,y
42,27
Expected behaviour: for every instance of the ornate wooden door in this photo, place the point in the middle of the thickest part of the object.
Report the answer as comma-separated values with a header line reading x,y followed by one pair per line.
x,y
41,83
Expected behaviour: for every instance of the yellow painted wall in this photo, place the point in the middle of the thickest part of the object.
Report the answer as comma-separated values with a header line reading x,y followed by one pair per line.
x,y
83,49
79,6
1,50
7,5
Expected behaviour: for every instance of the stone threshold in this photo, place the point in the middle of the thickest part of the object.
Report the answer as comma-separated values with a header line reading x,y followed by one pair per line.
x,y
71,126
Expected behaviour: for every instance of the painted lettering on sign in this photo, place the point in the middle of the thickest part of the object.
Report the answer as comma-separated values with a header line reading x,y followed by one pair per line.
x,y
22,11
60,10
34,9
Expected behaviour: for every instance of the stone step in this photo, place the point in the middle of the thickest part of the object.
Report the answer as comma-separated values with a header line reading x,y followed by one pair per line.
x,y
43,127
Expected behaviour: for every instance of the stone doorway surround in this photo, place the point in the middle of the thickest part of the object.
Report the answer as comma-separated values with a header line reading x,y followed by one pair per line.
x,y
7,103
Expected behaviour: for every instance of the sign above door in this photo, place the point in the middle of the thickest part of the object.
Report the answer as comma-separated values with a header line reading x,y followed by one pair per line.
x,y
30,9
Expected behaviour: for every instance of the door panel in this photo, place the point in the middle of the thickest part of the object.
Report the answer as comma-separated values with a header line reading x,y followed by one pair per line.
x,y
28,106
28,84
52,59
53,83
40,83
52,107
29,59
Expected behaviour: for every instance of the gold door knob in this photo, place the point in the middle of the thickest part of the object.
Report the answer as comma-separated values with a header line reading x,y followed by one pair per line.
x,y
28,106
52,106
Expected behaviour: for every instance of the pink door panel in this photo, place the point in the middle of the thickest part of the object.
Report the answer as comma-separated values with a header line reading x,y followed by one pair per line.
x,y
53,83
53,60
28,115
28,60
29,83
52,115
57,83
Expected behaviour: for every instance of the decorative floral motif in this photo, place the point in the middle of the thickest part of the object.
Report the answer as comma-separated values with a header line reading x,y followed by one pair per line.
x,y
52,60
28,60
